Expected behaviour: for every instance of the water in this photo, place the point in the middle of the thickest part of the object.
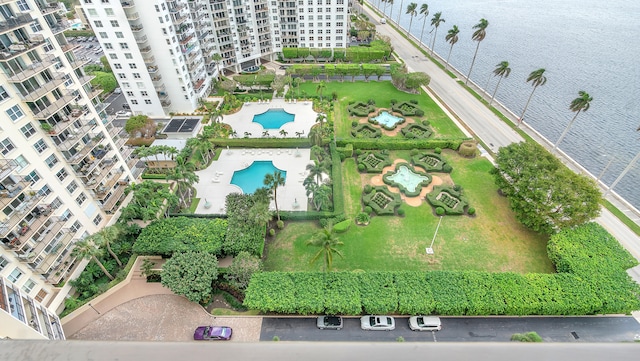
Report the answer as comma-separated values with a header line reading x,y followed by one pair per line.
x,y
273,118
387,119
583,45
252,178
407,178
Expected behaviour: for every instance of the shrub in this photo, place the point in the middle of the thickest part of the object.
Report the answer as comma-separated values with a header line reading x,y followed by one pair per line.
x,y
419,112
526,337
468,149
362,218
413,101
437,150
360,109
358,151
272,232
382,201
371,101
366,131
447,168
426,122
401,212
417,130
405,108
393,101
354,123
280,224
451,201
414,152
373,161
343,226
471,211
368,188
181,234
440,211
368,210
361,167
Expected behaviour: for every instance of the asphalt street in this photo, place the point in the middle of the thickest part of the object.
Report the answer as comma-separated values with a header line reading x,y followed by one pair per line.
x,y
463,329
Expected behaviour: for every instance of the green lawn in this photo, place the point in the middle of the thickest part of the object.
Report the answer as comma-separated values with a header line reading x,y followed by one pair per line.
x,y
491,241
382,92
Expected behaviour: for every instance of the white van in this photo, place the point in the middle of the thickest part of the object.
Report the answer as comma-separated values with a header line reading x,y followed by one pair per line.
x,y
383,21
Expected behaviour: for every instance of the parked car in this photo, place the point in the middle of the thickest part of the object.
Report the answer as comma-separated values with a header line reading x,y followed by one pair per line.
x,y
123,114
117,91
212,333
329,322
425,323
377,323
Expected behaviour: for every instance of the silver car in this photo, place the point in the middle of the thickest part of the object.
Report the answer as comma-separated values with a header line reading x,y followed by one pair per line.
x,y
329,322
377,323
425,323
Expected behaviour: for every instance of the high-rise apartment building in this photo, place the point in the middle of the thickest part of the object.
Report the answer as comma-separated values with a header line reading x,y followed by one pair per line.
x,y
161,50
62,171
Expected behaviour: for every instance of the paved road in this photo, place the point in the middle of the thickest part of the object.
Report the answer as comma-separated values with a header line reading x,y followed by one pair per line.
x,y
463,329
476,116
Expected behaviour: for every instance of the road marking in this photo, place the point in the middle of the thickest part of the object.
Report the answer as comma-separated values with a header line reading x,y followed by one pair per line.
x,y
434,336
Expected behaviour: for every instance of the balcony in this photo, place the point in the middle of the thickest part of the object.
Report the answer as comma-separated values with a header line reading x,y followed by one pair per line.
x,y
18,48
75,64
54,253
11,191
133,17
7,166
127,4
157,80
14,22
54,107
49,8
94,92
60,26
102,190
31,70
54,225
116,195
85,79
185,40
166,103
177,8
136,28
69,47
17,215
145,50
152,69
150,60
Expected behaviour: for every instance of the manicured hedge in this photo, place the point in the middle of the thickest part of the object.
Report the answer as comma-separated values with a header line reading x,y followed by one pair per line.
x,y
180,234
407,109
302,142
390,208
360,109
459,207
336,173
436,163
383,156
593,281
366,131
400,144
243,233
417,130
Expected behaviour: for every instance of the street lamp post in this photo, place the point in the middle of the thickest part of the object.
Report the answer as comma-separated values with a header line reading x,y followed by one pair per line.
x,y
93,308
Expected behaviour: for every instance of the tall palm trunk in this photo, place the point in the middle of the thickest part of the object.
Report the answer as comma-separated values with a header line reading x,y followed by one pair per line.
x,y
495,90
422,31
96,260
526,106
566,130
448,56
113,254
472,62
433,42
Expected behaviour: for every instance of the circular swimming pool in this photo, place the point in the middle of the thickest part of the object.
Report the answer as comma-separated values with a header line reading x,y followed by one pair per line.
x,y
252,177
273,118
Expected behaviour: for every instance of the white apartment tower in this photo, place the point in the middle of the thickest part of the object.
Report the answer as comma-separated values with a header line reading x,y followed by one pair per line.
x,y
62,171
161,50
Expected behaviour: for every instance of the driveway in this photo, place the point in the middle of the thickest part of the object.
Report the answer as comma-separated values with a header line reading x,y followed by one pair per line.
x,y
162,318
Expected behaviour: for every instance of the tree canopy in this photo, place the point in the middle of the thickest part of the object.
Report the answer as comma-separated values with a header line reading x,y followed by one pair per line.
x,y
243,266
191,274
140,124
545,195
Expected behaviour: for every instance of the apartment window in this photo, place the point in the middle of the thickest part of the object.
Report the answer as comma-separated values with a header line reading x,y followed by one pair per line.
x,y
144,93
117,66
44,191
81,198
134,102
128,56
133,66
136,75
109,11
3,94
113,56
108,46
15,112
6,146
339,24
98,24
72,187
103,35
15,275
22,162
28,286
66,215
164,31
23,6
122,76
75,227
62,174
32,177
124,46
56,203
114,23
147,101
157,9
129,93
140,85
119,35
92,12
126,85
160,19
3,263
51,160
97,220
40,146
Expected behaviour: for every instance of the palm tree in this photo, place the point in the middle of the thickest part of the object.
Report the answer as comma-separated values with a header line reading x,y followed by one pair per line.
x,y
105,236
316,169
411,10
327,241
424,11
87,250
624,172
502,70
435,22
390,2
315,136
400,12
451,38
184,175
320,88
320,118
538,79
478,35
579,104
217,59
273,181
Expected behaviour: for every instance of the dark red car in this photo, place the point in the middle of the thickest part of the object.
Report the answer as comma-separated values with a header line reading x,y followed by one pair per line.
x,y
212,333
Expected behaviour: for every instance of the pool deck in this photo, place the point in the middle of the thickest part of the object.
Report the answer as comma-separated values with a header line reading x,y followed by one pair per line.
x,y
242,121
215,181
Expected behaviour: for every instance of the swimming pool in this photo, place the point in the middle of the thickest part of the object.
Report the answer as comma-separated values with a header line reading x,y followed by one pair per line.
x,y
252,177
387,119
273,118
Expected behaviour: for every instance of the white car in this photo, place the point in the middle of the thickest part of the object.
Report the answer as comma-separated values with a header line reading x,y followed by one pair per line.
x,y
123,114
425,323
377,323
